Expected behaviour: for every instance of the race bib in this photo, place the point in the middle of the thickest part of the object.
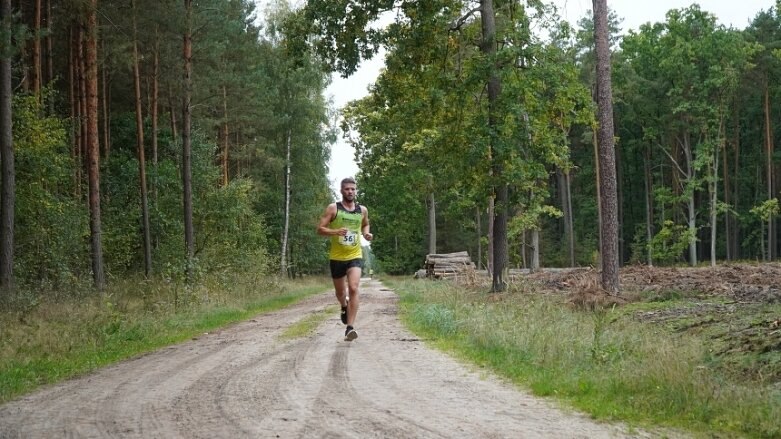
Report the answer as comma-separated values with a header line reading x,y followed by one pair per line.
x,y
350,239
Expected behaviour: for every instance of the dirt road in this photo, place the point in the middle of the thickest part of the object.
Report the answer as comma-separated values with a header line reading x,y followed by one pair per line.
x,y
244,381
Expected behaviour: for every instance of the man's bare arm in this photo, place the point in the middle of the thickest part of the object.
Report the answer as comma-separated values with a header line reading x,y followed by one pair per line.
x,y
328,216
365,225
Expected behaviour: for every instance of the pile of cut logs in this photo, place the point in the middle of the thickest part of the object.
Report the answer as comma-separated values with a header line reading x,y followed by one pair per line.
x,y
449,265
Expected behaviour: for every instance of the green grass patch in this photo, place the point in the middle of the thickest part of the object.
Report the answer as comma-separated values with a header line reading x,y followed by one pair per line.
x,y
307,326
57,340
605,363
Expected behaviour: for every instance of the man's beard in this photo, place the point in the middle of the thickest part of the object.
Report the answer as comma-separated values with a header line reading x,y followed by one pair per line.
x,y
349,197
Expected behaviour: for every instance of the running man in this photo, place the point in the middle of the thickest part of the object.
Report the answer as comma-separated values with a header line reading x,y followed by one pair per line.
x,y
346,222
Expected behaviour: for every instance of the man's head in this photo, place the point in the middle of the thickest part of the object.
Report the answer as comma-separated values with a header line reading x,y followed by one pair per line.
x,y
348,189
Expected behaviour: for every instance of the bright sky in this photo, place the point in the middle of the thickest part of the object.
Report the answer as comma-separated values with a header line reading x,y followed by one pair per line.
x,y
735,13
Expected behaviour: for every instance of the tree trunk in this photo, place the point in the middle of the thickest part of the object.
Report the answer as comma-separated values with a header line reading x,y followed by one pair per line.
x,y
598,186
155,96
769,175
479,228
147,241
286,225
566,207
173,116
187,192
736,253
77,105
535,266
714,198
432,225
36,55
93,144
692,212
524,264
692,222
488,48
649,206
83,153
571,220
6,156
620,203
49,44
501,256
104,100
72,98
224,160
607,154
24,68
727,201
491,235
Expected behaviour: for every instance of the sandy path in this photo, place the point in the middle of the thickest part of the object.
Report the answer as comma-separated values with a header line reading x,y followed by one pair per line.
x,y
244,381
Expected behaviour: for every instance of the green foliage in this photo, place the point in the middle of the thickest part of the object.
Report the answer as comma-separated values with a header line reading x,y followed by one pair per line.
x,y
640,246
233,236
766,210
424,128
686,86
670,241
51,226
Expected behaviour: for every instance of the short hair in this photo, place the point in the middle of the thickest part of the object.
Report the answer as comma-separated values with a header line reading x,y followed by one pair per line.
x,y
347,181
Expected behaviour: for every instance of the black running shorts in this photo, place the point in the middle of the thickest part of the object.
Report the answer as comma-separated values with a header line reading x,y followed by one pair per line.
x,y
339,268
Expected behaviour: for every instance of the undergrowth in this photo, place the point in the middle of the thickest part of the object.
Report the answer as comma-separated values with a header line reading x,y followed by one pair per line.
x,y
601,361
48,338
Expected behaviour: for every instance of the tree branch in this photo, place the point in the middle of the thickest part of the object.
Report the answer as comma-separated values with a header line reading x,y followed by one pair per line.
x,y
460,22
675,162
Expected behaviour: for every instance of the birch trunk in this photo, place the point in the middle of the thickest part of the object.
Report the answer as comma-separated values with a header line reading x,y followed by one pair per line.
x,y
479,238
286,225
432,225
692,212
714,199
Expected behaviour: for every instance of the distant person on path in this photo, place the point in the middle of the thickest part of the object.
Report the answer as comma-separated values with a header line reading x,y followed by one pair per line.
x,y
346,222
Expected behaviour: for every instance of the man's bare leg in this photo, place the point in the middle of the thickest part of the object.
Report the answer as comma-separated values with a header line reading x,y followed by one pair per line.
x,y
353,280
340,287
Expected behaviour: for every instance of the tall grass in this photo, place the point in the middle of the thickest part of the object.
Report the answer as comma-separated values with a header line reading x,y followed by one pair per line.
x,y
45,340
601,362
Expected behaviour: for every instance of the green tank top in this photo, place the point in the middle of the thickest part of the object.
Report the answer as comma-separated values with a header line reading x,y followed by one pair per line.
x,y
345,248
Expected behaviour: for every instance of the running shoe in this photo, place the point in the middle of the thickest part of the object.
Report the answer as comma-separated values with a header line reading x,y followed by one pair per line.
x,y
344,315
350,334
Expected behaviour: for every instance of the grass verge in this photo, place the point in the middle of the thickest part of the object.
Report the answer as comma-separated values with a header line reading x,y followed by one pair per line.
x,y
50,341
604,363
306,326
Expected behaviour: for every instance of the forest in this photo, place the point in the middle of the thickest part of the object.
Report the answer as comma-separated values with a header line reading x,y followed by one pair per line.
x,y
695,111
173,140
181,139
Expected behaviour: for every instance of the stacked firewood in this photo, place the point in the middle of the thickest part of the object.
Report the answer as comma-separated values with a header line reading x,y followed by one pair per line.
x,y
449,266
